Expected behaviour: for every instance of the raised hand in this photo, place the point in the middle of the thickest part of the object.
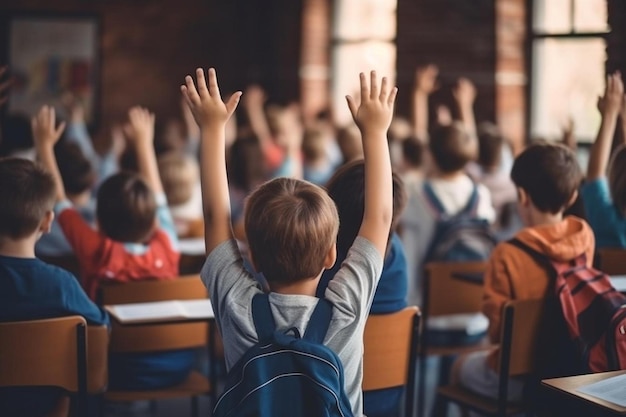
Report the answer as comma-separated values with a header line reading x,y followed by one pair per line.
x,y
611,101
375,111
43,124
464,92
205,102
140,126
426,79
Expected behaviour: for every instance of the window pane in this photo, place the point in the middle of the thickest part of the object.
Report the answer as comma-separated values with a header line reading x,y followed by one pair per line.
x,y
365,19
568,76
552,16
590,16
348,61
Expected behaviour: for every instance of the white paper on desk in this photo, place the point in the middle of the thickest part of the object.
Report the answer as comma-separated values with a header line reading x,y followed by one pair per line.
x,y
192,247
618,282
163,310
612,390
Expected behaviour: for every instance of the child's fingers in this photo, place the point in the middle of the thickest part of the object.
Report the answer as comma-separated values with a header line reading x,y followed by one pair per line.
x,y
214,89
364,87
185,93
352,106
232,102
202,88
373,85
59,130
191,90
384,89
392,96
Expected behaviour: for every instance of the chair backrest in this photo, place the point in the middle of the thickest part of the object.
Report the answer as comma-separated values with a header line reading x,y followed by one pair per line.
x,y
390,343
447,290
611,261
53,352
520,335
157,337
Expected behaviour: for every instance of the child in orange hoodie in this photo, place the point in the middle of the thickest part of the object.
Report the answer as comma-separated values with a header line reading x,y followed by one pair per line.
x,y
547,177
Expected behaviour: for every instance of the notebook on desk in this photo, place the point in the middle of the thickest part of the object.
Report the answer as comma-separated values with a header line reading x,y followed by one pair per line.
x,y
162,311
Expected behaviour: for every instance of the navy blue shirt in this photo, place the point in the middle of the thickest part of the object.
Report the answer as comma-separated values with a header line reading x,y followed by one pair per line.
x,y
29,290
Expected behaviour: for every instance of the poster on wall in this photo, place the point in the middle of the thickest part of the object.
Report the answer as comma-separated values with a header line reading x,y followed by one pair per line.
x,y
53,59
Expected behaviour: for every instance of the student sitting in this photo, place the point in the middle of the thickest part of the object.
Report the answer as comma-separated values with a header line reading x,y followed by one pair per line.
x,y
78,179
451,148
29,288
347,188
547,178
292,227
604,196
136,240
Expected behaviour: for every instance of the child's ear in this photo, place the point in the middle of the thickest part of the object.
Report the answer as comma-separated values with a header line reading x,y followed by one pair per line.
x,y
522,197
572,199
46,222
331,257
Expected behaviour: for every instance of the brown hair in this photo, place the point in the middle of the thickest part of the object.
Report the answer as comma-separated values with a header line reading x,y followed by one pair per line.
x,y
413,152
314,144
549,173
27,193
76,171
180,175
126,208
290,225
490,144
347,189
349,141
452,147
617,179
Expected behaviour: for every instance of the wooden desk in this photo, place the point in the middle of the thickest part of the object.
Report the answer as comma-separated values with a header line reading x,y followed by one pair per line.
x,y
567,389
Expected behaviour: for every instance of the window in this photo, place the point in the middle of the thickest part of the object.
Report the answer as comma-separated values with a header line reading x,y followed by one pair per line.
x,y
568,61
364,33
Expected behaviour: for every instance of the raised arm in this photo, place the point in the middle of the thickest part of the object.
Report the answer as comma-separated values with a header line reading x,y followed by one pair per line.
x,y
609,106
212,114
465,94
373,117
253,105
425,85
46,135
140,132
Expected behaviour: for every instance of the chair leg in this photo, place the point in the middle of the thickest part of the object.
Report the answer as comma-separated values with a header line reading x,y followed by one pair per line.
x,y
421,389
194,406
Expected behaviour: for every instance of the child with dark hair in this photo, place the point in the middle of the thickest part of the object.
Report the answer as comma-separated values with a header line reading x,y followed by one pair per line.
x,y
347,189
29,288
547,177
79,179
135,240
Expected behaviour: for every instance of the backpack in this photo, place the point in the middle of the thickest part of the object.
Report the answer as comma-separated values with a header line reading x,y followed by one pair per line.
x,y
594,311
462,237
285,374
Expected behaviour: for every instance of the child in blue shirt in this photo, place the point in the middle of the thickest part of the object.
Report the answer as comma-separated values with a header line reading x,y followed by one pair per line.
x,y
604,196
29,288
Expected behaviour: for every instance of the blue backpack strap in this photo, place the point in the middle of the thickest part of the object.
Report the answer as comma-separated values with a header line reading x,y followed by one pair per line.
x,y
262,316
471,208
319,322
431,197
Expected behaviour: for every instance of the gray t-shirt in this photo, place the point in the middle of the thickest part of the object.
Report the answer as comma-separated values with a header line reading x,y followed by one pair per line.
x,y
351,292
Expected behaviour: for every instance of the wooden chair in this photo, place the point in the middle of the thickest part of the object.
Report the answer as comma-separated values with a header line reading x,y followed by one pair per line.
x,y
612,261
159,337
60,352
521,327
449,288
390,352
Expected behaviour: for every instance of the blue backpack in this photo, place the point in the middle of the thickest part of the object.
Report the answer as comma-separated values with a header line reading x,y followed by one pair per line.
x,y
285,374
463,237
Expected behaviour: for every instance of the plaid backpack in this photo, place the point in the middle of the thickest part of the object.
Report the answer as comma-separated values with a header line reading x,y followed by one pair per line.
x,y
594,311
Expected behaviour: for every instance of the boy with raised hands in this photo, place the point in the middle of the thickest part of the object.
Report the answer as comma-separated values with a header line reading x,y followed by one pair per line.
x,y
291,227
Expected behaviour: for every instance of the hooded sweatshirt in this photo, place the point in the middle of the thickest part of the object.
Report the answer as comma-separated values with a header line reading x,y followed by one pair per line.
x,y
513,275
